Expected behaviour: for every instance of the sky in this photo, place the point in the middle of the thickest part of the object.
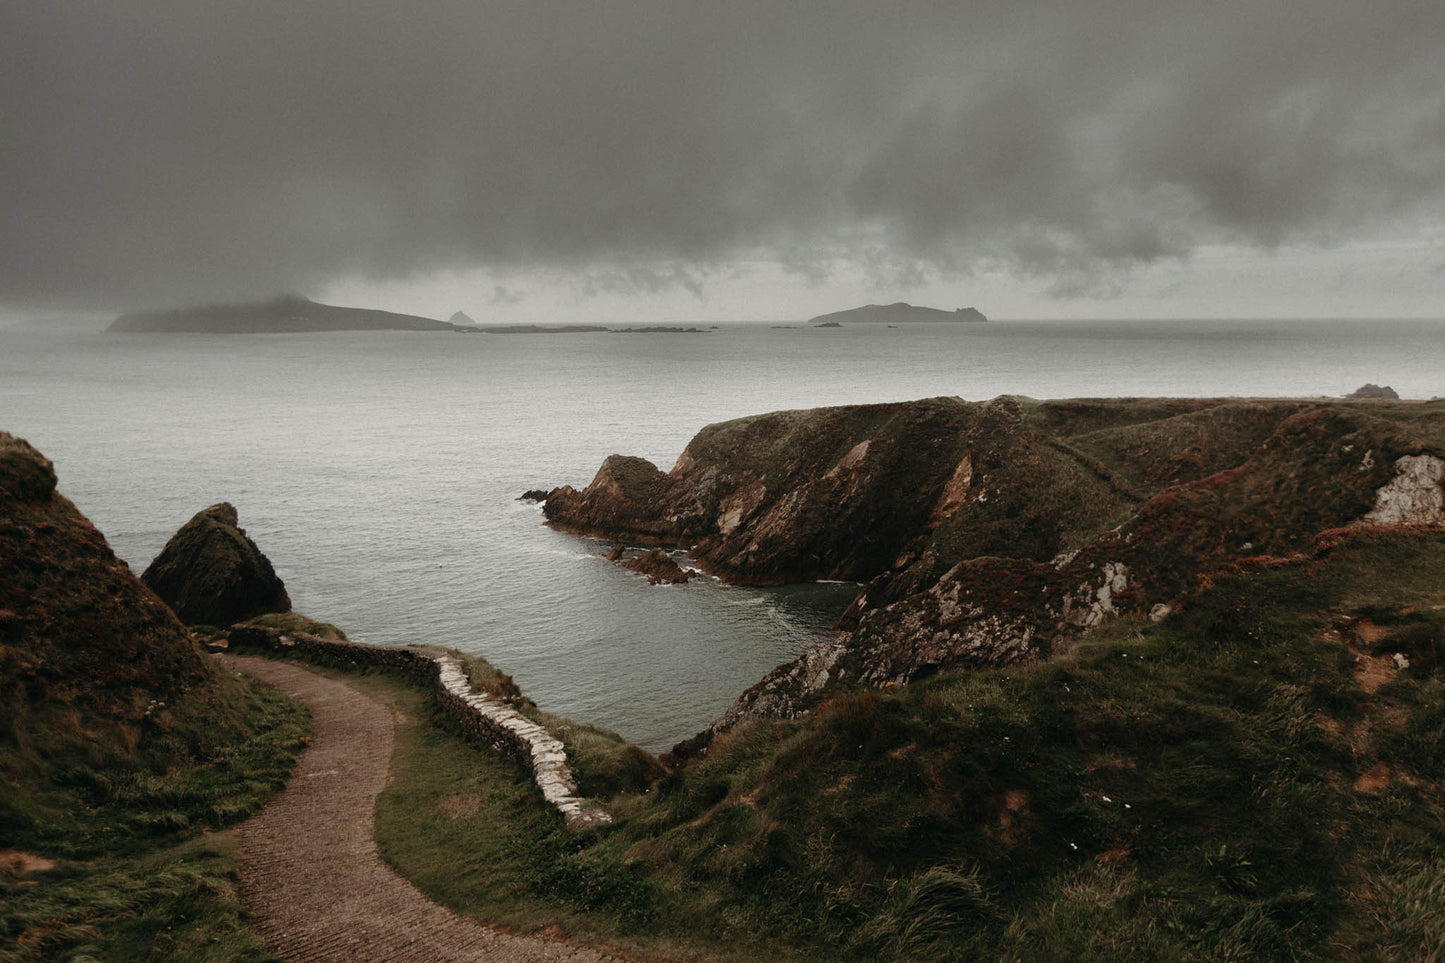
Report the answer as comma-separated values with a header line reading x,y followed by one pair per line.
x,y
631,160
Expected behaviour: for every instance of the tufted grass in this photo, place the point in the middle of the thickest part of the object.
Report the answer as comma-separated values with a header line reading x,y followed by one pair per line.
x,y
1219,786
143,865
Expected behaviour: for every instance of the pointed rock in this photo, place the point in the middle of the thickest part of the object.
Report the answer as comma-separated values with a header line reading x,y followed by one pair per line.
x,y
210,573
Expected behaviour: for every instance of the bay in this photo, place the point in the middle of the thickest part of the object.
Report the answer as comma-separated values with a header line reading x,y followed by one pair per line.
x,y
379,471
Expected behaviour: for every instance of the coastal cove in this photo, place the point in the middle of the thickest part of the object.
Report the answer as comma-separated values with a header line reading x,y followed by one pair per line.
x,y
380,470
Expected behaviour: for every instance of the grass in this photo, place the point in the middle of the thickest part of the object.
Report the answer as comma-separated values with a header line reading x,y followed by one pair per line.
x,y
144,866
1191,790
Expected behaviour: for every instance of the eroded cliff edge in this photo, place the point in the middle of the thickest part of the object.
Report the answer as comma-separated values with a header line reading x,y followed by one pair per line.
x,y
996,532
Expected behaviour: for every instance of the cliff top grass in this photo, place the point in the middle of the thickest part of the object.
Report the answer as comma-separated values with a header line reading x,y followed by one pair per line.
x,y
1254,778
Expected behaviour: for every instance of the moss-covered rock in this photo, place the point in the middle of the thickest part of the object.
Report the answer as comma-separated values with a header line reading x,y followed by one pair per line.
x,y
211,573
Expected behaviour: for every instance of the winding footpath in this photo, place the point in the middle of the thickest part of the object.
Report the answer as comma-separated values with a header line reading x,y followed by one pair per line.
x,y
310,873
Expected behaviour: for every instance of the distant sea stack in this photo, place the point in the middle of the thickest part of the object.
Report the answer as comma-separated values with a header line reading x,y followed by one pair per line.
x,y
462,320
897,313
1373,391
278,316
211,573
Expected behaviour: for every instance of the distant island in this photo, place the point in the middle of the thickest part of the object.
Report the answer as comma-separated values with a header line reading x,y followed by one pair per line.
x,y
895,313
277,316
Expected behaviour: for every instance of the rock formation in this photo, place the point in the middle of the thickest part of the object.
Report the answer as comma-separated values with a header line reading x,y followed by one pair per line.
x,y
1374,391
997,532
658,566
211,573
77,628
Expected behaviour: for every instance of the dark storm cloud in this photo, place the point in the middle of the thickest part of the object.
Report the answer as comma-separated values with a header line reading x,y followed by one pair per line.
x,y
163,151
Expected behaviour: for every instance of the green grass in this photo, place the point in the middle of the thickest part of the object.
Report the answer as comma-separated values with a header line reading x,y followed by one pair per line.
x,y
1178,791
144,868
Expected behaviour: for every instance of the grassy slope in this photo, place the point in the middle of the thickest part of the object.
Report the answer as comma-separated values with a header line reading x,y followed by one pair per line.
x,y
1217,786
144,867
122,749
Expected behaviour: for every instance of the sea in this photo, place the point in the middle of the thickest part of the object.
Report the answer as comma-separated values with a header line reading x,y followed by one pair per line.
x,y
379,471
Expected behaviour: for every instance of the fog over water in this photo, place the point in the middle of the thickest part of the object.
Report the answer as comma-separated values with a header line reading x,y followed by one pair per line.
x,y
380,471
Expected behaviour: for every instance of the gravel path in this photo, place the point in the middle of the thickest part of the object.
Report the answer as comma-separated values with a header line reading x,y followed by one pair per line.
x,y
310,873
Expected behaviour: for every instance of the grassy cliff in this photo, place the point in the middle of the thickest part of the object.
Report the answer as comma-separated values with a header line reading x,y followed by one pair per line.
x,y
1256,777
124,754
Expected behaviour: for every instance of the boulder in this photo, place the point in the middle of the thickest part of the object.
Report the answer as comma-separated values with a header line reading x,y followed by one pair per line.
x,y
659,568
210,573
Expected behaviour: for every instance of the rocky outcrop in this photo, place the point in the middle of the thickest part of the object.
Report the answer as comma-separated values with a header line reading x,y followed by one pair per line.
x,y
999,532
1374,391
211,573
78,631
1414,496
658,566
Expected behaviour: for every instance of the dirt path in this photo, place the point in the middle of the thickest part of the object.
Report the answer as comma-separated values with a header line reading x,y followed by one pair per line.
x,y
311,877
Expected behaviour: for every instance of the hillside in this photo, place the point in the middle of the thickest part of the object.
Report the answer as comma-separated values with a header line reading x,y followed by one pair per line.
x,y
278,316
998,532
120,746
899,312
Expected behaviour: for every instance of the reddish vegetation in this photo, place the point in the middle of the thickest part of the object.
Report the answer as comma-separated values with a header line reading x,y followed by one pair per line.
x,y
995,532
77,628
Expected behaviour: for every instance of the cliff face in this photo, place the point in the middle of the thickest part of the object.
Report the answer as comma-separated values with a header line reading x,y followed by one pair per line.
x,y
211,573
993,533
77,628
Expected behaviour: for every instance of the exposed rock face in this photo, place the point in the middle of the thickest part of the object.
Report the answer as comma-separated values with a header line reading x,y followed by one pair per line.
x,y
1414,496
659,568
77,628
1374,391
993,533
210,573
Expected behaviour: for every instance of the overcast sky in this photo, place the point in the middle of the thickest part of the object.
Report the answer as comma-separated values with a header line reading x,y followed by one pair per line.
x,y
566,160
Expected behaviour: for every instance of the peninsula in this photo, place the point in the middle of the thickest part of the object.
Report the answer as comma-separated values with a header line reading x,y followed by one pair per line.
x,y
899,312
283,315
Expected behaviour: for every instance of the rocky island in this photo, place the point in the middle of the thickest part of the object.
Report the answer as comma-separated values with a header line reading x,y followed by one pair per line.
x,y
281,315
899,312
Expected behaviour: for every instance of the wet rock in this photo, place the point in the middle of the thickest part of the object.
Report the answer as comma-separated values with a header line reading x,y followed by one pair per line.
x,y
659,568
533,495
211,573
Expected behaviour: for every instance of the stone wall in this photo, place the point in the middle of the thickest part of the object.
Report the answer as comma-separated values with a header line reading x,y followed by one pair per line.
x,y
478,713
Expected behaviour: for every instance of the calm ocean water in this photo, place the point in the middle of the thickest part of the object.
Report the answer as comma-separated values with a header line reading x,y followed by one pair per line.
x,y
379,471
